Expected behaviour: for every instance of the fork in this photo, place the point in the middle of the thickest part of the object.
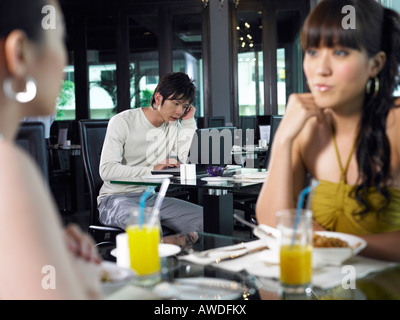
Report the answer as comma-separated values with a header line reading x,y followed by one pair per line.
x,y
256,228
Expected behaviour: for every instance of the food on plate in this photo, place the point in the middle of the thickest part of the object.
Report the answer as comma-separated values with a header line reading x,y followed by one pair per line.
x,y
320,241
104,275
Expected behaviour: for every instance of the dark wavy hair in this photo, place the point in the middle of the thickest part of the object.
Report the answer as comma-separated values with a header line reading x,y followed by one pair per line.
x,y
377,29
25,15
173,86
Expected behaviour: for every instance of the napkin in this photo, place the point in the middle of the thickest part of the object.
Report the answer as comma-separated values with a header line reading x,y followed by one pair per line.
x,y
234,265
323,277
123,256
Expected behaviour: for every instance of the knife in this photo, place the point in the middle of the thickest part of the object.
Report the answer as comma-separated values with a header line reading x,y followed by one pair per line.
x,y
234,256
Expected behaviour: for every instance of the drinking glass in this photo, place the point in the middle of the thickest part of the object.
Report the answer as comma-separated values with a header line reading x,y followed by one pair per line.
x,y
295,252
143,240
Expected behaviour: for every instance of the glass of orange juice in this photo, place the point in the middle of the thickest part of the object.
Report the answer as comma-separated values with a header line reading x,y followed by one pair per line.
x,y
295,252
143,241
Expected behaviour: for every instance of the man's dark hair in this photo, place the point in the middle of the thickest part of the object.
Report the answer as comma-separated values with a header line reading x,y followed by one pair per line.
x,y
173,86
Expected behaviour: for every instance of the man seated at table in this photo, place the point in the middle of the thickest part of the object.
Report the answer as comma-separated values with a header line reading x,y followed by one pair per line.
x,y
141,140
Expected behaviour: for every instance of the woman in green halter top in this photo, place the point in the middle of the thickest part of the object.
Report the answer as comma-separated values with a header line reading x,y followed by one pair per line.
x,y
345,132
334,207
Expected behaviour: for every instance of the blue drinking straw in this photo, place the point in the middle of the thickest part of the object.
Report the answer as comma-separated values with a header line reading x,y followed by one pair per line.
x,y
300,203
143,199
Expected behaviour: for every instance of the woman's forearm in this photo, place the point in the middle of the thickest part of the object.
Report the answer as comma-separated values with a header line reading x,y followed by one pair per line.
x,y
277,191
383,246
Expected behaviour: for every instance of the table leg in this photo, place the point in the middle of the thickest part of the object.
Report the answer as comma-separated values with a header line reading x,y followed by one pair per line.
x,y
218,213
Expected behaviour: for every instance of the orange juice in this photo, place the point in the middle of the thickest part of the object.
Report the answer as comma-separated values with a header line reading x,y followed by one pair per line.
x,y
296,267
143,249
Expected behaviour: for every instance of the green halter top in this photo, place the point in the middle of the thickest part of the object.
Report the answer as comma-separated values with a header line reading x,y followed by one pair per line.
x,y
333,207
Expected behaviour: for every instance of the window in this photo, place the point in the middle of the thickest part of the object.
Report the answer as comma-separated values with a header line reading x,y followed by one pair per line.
x,y
268,72
102,90
66,99
101,67
187,52
281,76
144,78
395,5
144,70
250,63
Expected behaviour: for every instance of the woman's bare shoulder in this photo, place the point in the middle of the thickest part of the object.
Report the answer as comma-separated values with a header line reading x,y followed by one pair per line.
x,y
23,189
20,176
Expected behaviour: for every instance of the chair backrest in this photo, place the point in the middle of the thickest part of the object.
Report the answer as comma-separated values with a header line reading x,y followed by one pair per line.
x,y
248,123
92,134
216,121
275,121
261,121
31,137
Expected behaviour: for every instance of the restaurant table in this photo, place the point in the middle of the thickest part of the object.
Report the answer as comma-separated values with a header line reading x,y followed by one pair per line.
x,y
217,202
384,284
173,268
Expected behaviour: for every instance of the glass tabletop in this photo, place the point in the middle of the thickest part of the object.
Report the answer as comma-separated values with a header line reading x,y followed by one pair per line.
x,y
383,285
233,179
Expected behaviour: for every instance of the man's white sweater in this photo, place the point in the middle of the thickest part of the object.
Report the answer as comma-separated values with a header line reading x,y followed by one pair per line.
x,y
133,146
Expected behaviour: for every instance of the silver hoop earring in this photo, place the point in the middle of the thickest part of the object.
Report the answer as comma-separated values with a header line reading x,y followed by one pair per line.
x,y
376,87
24,96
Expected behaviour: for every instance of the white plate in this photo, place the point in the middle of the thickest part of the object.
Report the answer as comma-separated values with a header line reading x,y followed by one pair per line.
x,y
216,179
164,250
117,277
336,256
167,249
256,175
200,288
321,256
157,177
116,273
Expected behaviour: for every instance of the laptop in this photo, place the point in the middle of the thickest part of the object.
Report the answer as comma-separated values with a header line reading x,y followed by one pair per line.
x,y
175,171
197,150
200,169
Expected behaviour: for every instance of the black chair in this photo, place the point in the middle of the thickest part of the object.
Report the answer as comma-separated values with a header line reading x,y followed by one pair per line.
x,y
61,181
248,125
92,134
216,121
31,137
